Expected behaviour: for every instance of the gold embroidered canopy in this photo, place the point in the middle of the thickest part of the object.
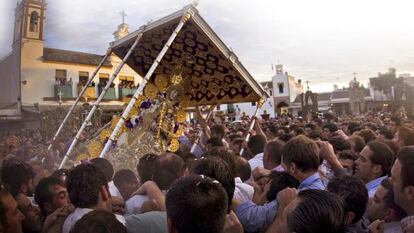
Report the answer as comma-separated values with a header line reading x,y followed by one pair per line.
x,y
211,72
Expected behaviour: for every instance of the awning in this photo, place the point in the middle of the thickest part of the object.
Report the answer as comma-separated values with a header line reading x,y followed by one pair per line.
x,y
212,73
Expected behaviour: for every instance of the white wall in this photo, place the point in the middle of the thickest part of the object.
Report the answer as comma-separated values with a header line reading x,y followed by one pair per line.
x,y
40,76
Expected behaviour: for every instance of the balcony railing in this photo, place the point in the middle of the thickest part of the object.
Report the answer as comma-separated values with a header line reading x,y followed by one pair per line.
x,y
125,92
90,92
110,93
63,91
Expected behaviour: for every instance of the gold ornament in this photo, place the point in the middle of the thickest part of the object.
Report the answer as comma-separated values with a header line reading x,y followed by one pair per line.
x,y
133,112
94,149
261,102
161,81
114,121
82,157
174,145
176,79
150,91
160,123
181,116
106,133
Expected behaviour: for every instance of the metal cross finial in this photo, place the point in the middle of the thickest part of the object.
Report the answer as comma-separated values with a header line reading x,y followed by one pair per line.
x,y
123,14
354,75
307,84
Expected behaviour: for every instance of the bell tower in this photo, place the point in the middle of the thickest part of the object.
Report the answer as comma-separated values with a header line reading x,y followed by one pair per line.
x,y
29,21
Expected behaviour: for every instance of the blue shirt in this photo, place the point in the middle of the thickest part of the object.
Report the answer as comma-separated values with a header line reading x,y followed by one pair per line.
x,y
256,218
373,185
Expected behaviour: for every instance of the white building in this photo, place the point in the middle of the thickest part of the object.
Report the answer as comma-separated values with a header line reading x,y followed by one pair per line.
x,y
36,78
282,89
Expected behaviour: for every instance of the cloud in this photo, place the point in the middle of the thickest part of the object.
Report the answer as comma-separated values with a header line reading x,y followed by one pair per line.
x,y
322,41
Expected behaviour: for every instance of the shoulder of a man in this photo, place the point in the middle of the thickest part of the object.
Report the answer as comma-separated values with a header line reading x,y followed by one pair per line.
x,y
150,222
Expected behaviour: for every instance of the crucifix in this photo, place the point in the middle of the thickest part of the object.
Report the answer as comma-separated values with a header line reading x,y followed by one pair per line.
x,y
354,76
307,84
123,14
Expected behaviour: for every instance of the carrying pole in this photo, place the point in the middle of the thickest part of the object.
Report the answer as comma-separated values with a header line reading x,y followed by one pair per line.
x,y
256,113
141,87
108,52
97,102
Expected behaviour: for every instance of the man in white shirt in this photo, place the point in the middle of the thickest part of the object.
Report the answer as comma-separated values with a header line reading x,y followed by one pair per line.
x,y
88,190
256,145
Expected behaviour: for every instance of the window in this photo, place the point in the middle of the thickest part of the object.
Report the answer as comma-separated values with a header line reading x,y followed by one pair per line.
x,y
60,76
218,107
83,77
253,103
270,92
34,21
126,81
103,79
280,86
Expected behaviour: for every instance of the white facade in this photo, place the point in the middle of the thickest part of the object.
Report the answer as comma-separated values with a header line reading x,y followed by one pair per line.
x,y
29,78
282,89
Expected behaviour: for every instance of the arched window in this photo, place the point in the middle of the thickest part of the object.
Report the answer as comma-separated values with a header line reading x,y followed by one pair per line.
x,y
34,21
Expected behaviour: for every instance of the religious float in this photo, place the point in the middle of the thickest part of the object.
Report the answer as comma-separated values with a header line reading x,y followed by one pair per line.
x,y
183,64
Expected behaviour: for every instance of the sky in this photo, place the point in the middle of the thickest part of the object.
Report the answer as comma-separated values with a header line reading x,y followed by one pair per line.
x,y
322,41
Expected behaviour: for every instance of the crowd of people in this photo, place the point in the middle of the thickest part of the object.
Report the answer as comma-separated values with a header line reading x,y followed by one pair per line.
x,y
329,174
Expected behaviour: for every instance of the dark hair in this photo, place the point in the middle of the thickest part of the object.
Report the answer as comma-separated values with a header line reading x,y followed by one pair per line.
x,y
353,126
274,150
318,211
226,155
315,134
214,142
273,129
318,121
359,142
285,137
406,158
15,174
125,176
146,167
278,182
98,221
256,144
354,193
339,144
406,135
397,121
382,155
105,166
43,192
386,133
60,174
347,154
83,184
299,130
389,199
197,204
219,130
243,169
168,168
367,134
331,127
217,169
303,152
